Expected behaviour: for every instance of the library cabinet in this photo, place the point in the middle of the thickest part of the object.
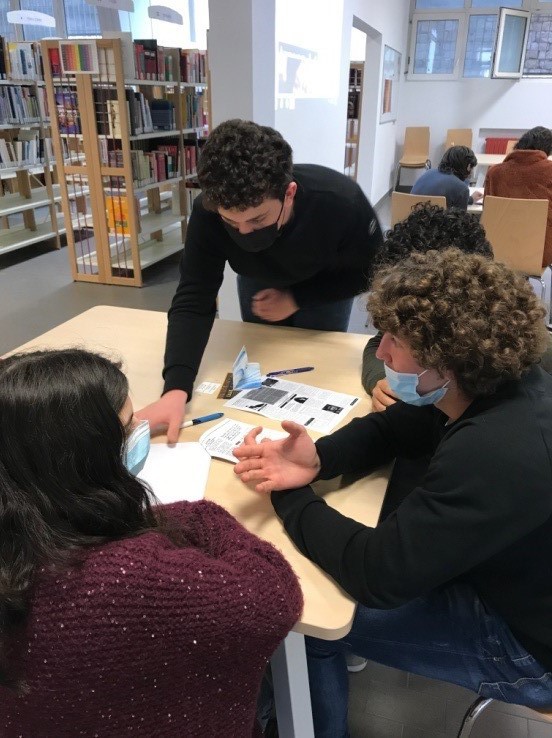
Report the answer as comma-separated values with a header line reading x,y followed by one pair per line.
x,y
29,197
128,148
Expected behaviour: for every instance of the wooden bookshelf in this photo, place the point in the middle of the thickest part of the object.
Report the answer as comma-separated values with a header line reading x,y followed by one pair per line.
x,y
354,106
127,147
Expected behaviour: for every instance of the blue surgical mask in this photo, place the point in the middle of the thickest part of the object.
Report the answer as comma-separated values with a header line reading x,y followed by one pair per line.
x,y
137,447
405,386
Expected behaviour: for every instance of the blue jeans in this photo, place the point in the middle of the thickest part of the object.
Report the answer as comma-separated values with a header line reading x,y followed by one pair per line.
x,y
449,635
330,316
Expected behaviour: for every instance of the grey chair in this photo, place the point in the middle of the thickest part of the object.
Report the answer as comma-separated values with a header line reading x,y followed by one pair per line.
x,y
480,705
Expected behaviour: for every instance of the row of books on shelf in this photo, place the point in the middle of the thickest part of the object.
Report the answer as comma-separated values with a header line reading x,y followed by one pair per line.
x,y
27,150
138,108
154,62
190,158
144,116
20,105
20,60
193,108
148,167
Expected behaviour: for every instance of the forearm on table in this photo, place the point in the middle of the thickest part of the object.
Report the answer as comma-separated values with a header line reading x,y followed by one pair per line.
x,y
372,367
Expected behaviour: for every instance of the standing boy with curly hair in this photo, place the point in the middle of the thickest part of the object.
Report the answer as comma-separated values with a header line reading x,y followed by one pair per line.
x,y
456,583
301,238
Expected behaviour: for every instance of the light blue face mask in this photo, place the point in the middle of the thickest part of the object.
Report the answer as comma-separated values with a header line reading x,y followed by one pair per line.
x,y
405,386
137,448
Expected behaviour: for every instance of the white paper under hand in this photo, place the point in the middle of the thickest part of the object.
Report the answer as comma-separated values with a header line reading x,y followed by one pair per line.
x,y
177,472
221,439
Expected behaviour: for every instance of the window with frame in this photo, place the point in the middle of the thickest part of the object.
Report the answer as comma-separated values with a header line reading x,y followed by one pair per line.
x,y
467,47
32,33
73,18
538,53
435,46
81,19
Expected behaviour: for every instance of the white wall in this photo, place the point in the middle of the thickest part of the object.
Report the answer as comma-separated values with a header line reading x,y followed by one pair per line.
x,y
488,106
386,23
241,60
315,126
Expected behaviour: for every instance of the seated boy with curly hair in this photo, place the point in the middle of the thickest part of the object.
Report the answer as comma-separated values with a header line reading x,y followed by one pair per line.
x,y
455,584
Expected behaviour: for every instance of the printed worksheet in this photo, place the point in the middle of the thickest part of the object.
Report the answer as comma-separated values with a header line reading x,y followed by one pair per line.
x,y
224,437
317,409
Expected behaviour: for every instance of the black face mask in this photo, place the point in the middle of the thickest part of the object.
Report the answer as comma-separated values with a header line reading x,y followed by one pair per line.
x,y
258,240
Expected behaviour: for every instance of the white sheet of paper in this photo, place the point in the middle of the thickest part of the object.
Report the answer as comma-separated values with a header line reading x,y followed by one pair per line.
x,y
315,408
177,472
224,437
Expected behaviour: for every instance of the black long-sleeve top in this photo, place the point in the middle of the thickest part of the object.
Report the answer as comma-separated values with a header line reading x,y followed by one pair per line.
x,y
482,513
324,253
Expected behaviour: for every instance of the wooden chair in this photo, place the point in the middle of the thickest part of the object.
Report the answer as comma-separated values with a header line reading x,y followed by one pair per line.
x,y
402,204
516,229
415,151
480,705
459,137
510,145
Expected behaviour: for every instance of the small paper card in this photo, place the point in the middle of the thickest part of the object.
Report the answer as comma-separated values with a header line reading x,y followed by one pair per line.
x,y
245,375
224,437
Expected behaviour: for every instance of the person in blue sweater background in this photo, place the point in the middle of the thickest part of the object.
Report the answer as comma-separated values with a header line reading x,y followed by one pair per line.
x,y
450,179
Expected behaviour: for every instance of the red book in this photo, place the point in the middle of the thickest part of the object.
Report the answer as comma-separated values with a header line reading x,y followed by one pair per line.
x,y
55,61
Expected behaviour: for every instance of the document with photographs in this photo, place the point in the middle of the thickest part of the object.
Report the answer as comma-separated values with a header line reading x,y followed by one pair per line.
x,y
224,437
317,409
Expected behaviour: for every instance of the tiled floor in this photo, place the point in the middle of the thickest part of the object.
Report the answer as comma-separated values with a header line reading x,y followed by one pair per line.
x,y
36,293
387,703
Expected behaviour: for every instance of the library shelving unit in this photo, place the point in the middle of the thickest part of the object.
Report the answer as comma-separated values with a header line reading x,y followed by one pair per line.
x,y
127,147
28,195
354,105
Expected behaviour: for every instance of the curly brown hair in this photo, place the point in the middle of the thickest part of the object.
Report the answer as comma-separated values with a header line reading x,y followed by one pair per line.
x,y
463,313
242,164
431,227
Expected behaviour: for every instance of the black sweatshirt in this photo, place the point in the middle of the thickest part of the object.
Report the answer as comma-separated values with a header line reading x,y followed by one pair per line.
x,y
482,513
323,254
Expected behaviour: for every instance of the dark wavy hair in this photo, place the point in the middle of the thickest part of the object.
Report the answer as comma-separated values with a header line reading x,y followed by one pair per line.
x,y
63,484
463,313
431,227
538,138
242,164
458,160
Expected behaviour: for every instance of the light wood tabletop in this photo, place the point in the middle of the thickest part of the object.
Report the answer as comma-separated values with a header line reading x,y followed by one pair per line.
x,y
137,338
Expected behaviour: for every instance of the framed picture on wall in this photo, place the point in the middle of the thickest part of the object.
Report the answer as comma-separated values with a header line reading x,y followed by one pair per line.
x,y
390,84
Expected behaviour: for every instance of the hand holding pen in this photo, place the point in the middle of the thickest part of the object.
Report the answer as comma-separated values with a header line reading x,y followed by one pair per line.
x,y
299,369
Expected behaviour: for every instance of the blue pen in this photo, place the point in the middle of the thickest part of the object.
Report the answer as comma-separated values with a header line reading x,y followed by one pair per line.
x,y
291,371
203,419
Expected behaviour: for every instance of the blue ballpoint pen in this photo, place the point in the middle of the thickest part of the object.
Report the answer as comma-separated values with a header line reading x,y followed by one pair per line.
x,y
291,371
202,419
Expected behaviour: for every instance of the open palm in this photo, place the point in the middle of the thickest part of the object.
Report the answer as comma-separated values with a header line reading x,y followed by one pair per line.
x,y
275,465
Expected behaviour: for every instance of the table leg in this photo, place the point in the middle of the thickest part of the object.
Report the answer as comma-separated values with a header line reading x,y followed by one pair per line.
x,y
291,688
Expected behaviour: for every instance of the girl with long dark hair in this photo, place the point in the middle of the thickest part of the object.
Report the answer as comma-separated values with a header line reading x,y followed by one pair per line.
x,y
117,616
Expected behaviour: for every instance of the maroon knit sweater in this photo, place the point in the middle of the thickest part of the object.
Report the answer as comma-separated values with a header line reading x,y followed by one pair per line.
x,y
148,639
